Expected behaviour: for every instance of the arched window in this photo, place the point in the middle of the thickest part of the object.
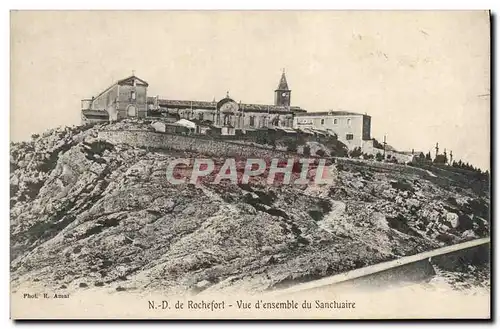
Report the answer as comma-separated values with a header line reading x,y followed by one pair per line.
x,y
334,121
131,111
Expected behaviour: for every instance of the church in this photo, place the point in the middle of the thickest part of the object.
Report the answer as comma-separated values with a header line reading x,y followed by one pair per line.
x,y
128,98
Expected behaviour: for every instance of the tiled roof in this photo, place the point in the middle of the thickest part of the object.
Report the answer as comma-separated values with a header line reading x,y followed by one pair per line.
x,y
120,82
95,113
132,77
183,103
212,105
265,108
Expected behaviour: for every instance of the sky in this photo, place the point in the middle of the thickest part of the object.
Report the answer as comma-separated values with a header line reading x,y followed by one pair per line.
x,y
423,76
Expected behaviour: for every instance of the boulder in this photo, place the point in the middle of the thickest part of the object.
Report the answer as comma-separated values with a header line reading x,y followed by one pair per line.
x,y
452,218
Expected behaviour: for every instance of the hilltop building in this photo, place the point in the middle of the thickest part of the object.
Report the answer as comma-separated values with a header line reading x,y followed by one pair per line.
x,y
352,129
125,98
128,98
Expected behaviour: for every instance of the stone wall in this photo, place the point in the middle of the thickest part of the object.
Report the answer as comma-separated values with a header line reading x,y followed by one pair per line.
x,y
187,143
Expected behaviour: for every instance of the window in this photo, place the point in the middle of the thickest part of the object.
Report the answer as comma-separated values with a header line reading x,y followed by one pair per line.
x,y
334,121
252,121
348,121
200,116
131,111
349,137
132,95
322,121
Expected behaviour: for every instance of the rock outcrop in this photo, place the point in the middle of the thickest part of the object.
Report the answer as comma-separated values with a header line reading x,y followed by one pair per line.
x,y
87,212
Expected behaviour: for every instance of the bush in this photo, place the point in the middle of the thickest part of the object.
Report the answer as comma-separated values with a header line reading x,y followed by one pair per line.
x,y
377,144
379,156
291,145
320,153
355,153
261,139
336,147
368,156
264,138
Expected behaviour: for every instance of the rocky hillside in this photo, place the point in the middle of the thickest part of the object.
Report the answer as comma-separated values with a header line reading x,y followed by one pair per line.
x,y
85,213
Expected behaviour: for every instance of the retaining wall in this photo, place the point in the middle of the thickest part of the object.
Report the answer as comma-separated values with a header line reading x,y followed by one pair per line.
x,y
141,138
408,269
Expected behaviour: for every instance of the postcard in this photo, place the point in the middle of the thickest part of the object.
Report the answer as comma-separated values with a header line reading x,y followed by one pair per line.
x,y
250,165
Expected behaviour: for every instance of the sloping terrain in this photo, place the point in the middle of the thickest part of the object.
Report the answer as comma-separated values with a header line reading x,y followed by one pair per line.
x,y
85,212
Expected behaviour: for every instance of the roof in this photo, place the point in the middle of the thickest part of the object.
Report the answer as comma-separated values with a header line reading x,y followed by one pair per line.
x,y
183,103
121,82
95,113
288,130
306,130
331,113
202,122
212,105
127,79
185,123
265,108
283,85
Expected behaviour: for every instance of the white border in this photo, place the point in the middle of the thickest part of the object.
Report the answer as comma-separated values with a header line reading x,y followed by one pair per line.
x,y
189,5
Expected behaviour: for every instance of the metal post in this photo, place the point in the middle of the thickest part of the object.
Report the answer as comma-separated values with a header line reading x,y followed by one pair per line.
x,y
385,143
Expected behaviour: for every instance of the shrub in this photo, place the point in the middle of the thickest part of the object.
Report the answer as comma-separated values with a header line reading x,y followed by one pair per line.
x,y
367,156
320,153
291,145
377,144
306,151
336,147
379,156
261,139
355,153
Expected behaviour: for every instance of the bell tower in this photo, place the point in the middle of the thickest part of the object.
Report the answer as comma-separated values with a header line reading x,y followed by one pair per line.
x,y
282,93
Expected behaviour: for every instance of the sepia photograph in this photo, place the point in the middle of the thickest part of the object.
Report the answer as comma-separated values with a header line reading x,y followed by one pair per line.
x,y
279,164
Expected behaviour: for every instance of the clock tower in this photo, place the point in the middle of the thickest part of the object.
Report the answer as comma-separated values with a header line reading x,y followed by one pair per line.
x,y
283,93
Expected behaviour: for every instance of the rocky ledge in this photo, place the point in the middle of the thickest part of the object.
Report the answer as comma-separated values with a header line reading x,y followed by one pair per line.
x,y
86,212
